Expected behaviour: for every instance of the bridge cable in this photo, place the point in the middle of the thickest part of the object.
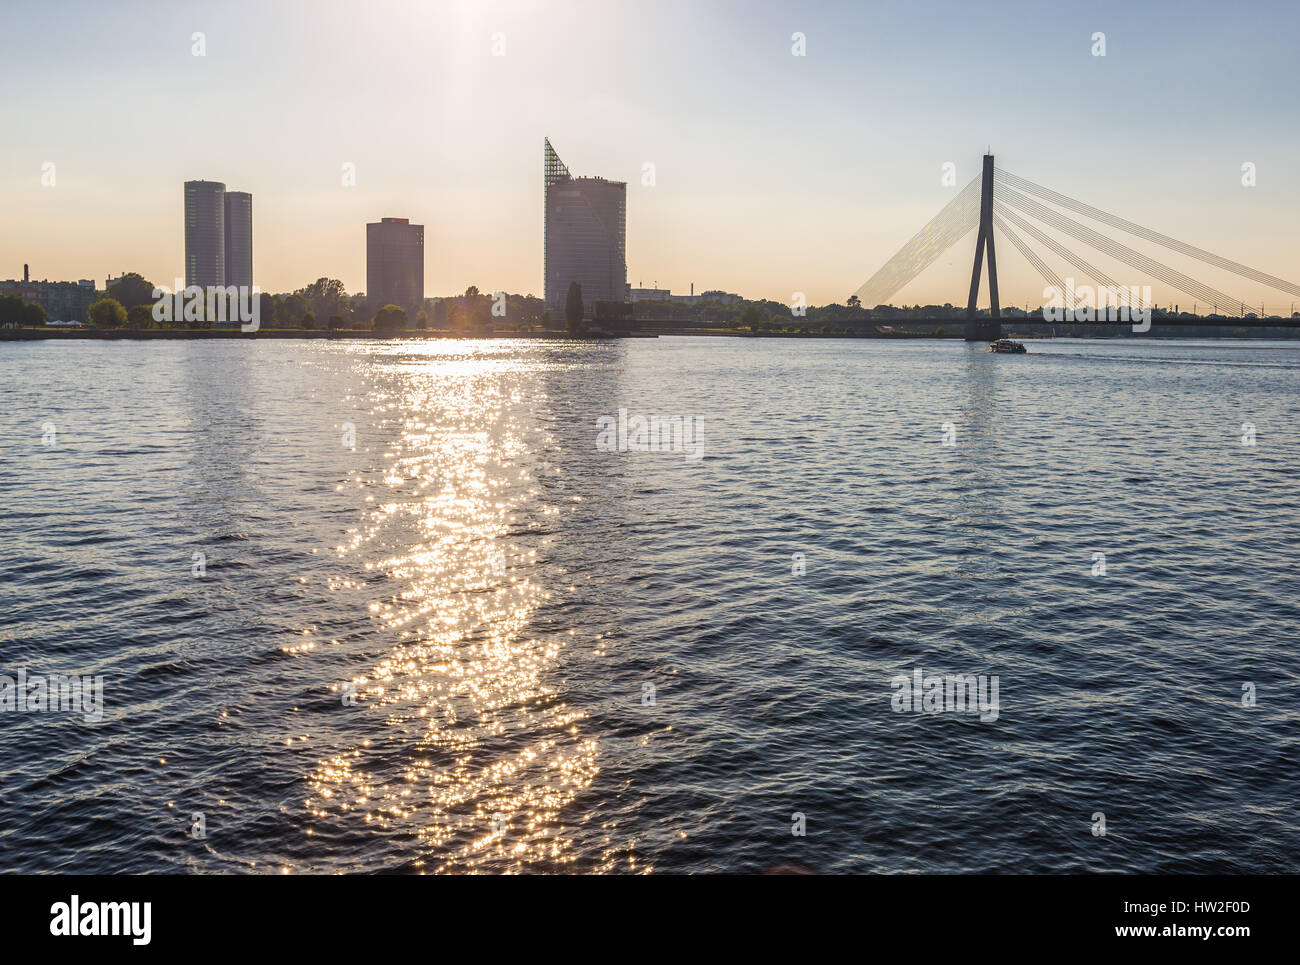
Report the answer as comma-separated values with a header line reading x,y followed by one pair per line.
x,y
1147,266
1123,253
1031,256
957,218
953,222
1114,221
1050,243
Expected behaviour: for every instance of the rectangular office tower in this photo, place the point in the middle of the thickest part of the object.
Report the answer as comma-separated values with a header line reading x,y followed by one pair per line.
x,y
584,240
395,264
239,238
205,233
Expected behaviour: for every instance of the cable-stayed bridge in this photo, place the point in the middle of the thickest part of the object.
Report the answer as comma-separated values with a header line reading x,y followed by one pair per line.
x,y
997,202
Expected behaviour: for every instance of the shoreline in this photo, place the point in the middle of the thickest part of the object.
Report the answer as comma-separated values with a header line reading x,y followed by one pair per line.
x,y
898,329
149,334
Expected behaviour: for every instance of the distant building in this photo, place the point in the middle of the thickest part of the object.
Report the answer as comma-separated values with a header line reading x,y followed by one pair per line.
x,y
239,238
664,295
205,233
395,264
726,298
66,301
584,236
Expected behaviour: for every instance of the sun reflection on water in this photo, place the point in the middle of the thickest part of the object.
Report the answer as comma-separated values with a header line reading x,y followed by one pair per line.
x,y
477,756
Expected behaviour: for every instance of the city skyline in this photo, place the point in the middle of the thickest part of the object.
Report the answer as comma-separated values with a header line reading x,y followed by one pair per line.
x,y
710,437
772,173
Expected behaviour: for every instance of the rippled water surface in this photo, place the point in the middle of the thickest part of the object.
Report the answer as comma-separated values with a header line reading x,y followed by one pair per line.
x,y
436,629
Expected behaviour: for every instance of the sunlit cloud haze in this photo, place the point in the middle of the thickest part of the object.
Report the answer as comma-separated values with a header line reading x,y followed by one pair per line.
x,y
774,173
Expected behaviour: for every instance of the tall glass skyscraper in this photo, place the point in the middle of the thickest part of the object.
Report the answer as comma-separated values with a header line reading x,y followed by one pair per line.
x,y
239,238
205,233
585,236
218,235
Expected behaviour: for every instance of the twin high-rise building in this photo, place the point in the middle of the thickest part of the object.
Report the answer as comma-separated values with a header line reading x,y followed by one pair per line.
x,y
205,233
585,236
395,264
239,238
218,235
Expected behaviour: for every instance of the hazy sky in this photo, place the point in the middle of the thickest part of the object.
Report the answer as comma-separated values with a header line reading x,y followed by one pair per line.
x,y
774,173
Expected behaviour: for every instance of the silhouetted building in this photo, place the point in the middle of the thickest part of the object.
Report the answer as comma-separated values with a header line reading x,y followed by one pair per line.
x,y
239,238
64,301
584,237
395,264
205,233
717,295
664,295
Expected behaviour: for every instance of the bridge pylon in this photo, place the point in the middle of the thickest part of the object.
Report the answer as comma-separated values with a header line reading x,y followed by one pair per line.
x,y
984,329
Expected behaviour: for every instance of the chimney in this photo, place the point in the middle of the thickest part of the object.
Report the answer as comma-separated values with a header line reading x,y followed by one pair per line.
x,y
26,275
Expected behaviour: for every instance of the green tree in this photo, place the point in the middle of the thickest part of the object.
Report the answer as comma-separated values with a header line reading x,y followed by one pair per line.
x,y
308,322
11,311
107,313
389,320
335,322
291,308
573,307
473,313
268,309
140,316
14,312
752,317
323,296
854,301
421,320
132,289
478,312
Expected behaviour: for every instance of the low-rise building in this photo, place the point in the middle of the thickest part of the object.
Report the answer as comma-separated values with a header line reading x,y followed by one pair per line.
x,y
648,294
725,298
665,295
67,301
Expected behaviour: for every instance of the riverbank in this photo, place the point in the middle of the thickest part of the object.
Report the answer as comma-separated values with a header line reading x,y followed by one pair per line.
x,y
925,328
157,334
